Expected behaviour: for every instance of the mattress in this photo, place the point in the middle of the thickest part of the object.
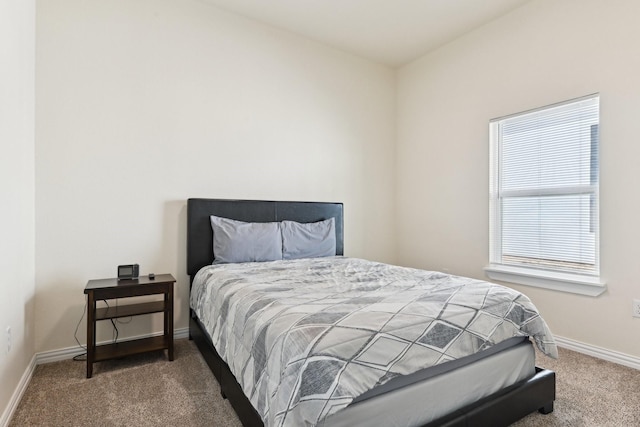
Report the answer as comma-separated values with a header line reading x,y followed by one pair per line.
x,y
425,400
308,338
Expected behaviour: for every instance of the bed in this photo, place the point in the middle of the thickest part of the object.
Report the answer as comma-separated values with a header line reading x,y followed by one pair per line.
x,y
496,385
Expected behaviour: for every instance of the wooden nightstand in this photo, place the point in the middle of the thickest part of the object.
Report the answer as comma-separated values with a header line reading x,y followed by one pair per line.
x,y
106,289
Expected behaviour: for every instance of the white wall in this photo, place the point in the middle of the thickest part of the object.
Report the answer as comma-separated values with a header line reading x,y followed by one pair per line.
x,y
143,104
542,53
17,193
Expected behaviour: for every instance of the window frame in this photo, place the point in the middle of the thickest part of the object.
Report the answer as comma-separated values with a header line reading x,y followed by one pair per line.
x,y
588,283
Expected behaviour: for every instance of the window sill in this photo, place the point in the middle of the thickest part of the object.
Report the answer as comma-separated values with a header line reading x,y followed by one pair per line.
x,y
564,282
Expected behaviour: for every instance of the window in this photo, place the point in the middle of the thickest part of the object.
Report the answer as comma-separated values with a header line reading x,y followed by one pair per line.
x,y
544,197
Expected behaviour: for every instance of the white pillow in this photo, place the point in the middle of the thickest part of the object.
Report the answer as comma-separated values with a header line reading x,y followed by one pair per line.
x,y
238,241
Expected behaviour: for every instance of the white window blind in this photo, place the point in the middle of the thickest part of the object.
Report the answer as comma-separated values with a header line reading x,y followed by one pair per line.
x,y
544,188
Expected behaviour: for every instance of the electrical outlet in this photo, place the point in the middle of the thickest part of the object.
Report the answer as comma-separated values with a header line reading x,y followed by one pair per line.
x,y
8,339
636,308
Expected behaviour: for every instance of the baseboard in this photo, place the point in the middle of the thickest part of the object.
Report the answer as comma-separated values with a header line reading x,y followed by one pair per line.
x,y
599,352
70,352
17,394
569,344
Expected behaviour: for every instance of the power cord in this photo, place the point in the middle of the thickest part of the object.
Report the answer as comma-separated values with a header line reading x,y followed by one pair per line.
x,y
115,333
119,319
114,336
83,356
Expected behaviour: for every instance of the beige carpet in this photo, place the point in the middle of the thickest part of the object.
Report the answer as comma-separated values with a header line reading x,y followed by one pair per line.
x,y
147,390
589,392
143,390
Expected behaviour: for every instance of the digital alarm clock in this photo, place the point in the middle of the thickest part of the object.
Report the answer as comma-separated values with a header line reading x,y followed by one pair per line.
x,y
128,272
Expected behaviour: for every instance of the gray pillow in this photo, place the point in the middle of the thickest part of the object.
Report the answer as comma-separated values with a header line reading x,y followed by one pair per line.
x,y
308,240
238,241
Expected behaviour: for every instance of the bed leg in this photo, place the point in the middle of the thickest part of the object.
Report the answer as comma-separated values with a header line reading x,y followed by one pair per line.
x,y
546,409
192,323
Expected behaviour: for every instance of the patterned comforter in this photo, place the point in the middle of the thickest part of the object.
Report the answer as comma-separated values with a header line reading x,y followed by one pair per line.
x,y
305,337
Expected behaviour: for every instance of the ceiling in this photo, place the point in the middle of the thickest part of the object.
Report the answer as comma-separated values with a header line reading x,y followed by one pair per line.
x,y
393,32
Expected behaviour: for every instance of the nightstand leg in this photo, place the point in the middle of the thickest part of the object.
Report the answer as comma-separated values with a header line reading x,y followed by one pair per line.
x,y
91,332
168,319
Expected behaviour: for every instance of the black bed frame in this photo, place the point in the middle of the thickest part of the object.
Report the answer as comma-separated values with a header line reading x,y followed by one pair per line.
x,y
499,409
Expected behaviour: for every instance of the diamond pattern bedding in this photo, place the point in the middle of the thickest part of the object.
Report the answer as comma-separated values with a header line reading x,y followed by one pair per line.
x,y
305,337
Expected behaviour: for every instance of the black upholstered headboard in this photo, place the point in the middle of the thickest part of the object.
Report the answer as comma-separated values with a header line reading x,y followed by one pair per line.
x,y
200,235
